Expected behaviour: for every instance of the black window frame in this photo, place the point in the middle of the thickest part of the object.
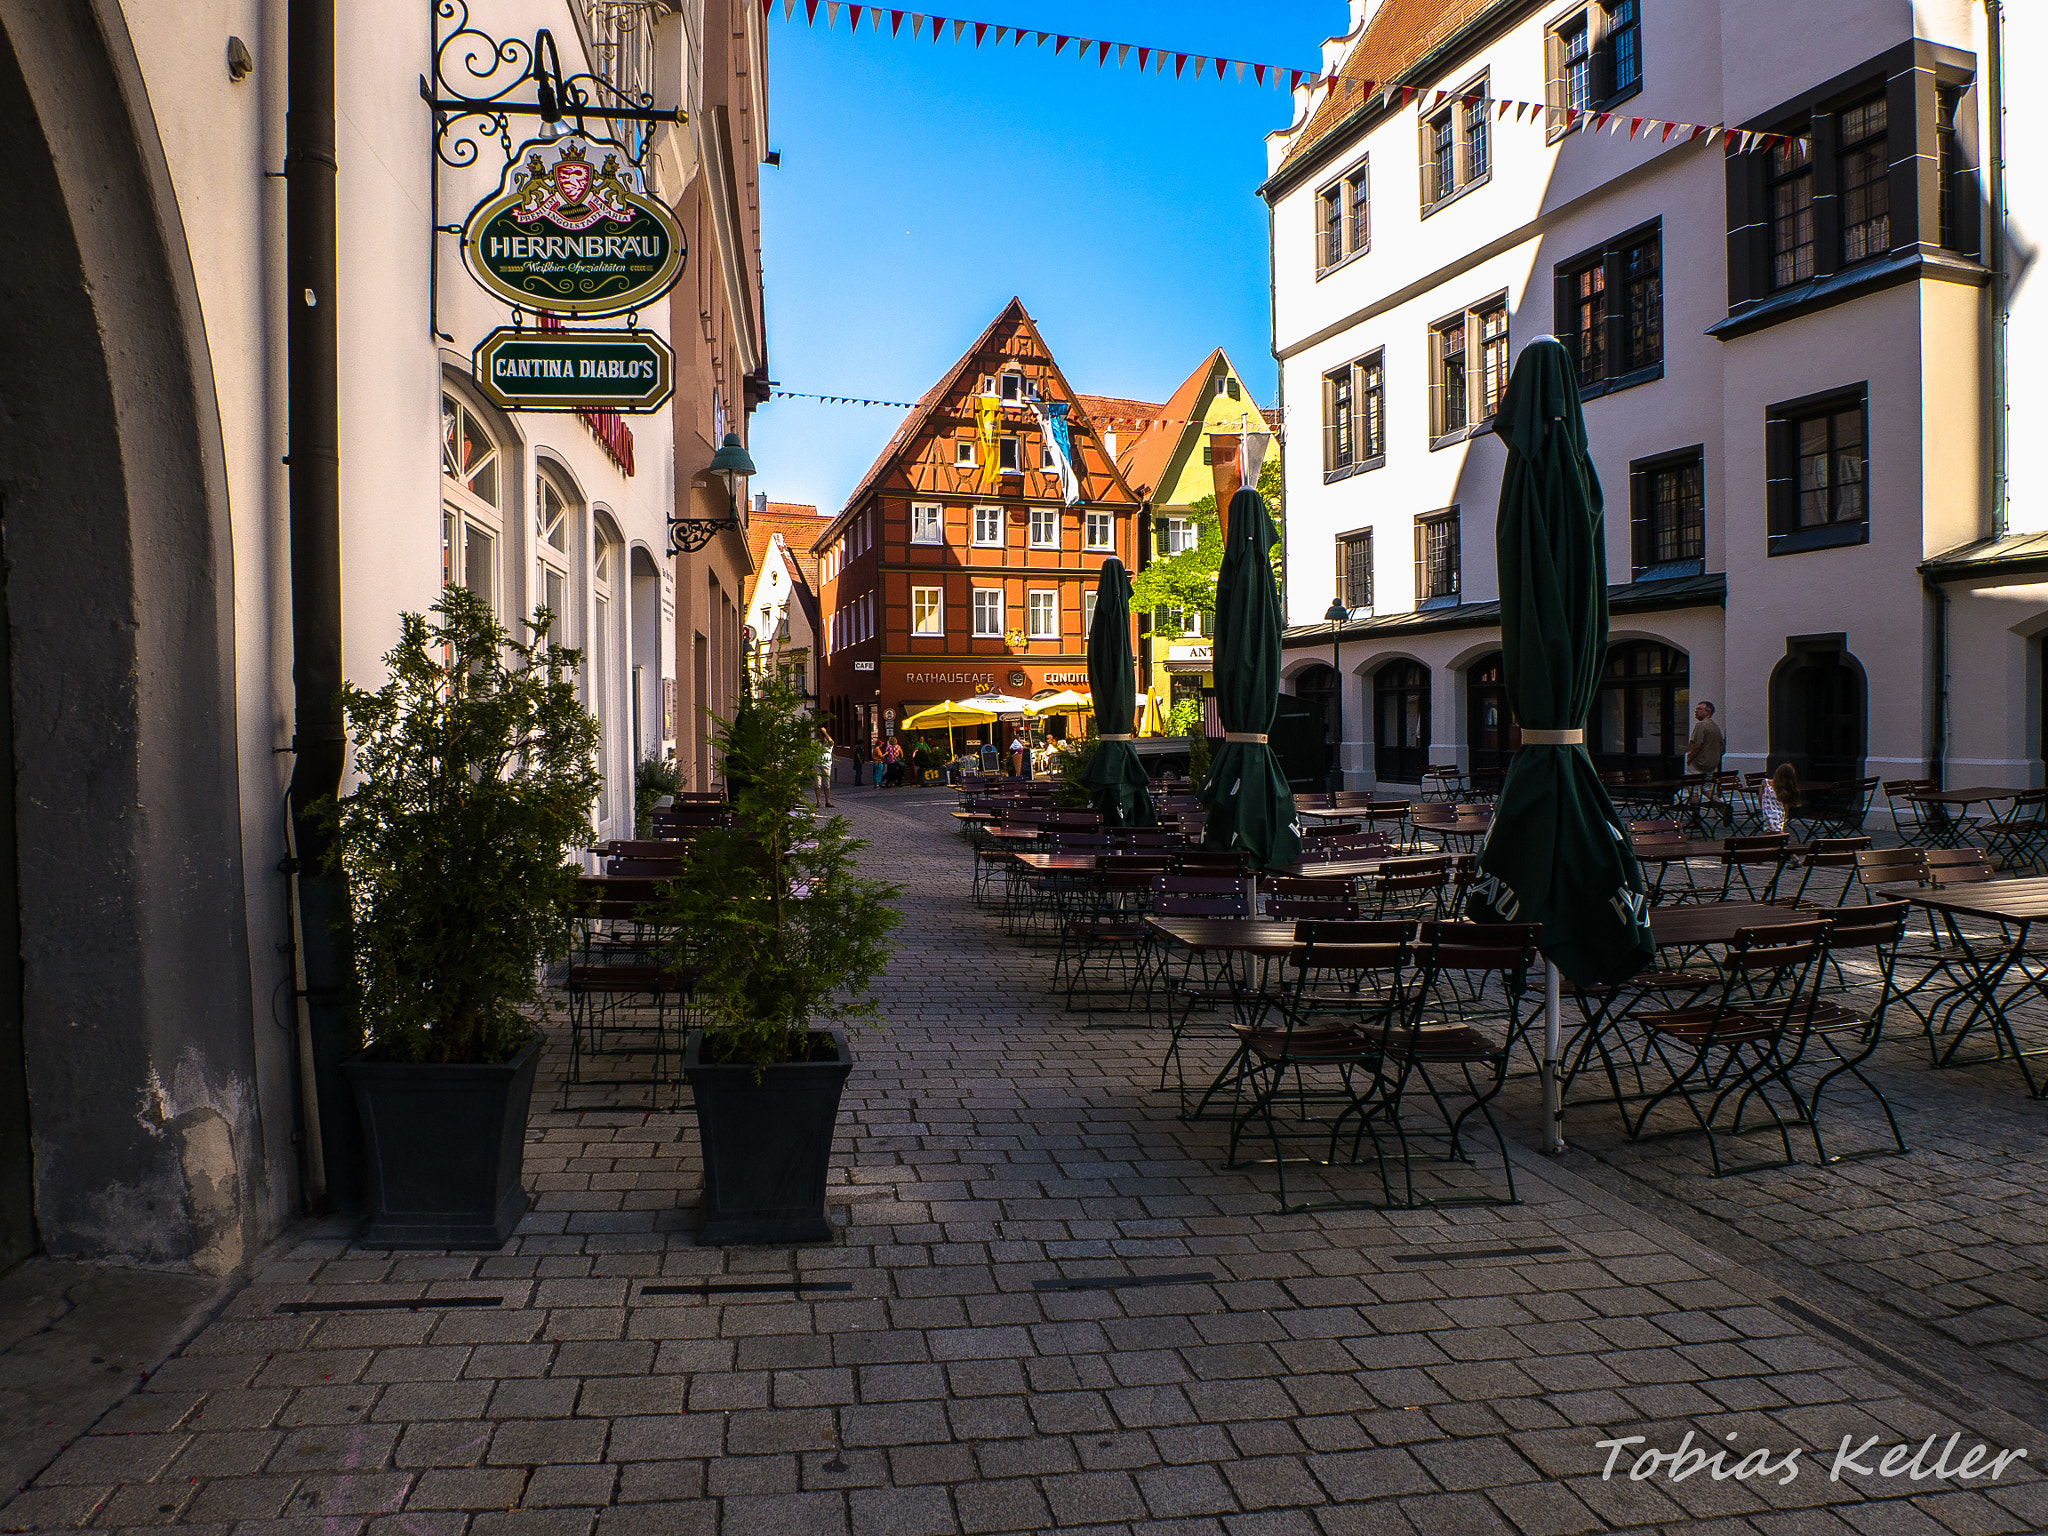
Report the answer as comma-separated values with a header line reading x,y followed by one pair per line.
x,y
1469,128
1350,194
1856,143
1362,385
1622,363
1426,564
1782,456
1354,580
1645,476
1916,79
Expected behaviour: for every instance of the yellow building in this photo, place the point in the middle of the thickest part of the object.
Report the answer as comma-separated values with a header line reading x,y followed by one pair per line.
x,y
1168,463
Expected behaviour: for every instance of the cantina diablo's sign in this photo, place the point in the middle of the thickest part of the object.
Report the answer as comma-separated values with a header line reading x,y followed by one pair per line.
x,y
524,370
571,230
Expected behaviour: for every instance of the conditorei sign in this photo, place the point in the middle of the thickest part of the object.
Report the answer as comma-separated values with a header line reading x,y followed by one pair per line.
x,y
572,229
526,370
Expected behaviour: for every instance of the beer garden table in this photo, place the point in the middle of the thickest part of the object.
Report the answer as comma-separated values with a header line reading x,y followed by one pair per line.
x,y
1987,963
1950,830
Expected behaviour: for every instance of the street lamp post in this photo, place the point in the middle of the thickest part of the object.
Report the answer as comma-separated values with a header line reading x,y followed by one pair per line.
x,y
1337,615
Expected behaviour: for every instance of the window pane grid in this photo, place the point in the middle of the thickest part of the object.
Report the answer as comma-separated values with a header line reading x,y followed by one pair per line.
x,y
1791,212
988,612
1044,615
1451,375
1493,358
1865,179
1677,513
927,610
1045,528
1642,271
1098,530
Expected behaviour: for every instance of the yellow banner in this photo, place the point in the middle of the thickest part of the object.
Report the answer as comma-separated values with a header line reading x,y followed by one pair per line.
x,y
988,412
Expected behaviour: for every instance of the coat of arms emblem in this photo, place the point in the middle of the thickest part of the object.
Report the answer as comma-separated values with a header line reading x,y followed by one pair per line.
x,y
570,194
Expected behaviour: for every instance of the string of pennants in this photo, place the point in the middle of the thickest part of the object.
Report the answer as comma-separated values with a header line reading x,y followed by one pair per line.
x,y
1273,76
1268,412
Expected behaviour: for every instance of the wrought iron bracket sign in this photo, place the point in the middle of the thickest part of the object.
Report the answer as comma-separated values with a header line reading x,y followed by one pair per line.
x,y
687,535
523,370
608,244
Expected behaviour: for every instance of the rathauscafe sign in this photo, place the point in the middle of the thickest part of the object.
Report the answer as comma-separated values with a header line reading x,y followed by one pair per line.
x,y
572,231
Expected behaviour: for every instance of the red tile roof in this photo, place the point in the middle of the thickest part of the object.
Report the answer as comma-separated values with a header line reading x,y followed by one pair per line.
x,y
797,522
1399,36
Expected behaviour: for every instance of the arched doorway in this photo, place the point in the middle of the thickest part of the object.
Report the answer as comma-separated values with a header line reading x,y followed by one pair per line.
x,y
1400,711
1316,688
1640,712
1490,726
1819,709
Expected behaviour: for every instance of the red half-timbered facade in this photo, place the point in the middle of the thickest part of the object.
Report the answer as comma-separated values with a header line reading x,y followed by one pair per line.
x,y
958,567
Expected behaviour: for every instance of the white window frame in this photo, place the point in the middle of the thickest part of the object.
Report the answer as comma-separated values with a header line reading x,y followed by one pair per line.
x,y
1088,601
1353,194
1175,536
1049,518
1010,447
468,515
932,602
1463,135
1106,523
927,523
552,559
963,453
1042,613
993,516
984,630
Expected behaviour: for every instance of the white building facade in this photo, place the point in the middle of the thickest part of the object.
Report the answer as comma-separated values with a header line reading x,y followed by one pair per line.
x,y
177,1103
1786,356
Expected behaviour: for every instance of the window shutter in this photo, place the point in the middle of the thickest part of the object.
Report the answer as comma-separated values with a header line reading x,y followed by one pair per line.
x,y
1421,560
1780,465
1436,384
1457,555
1342,584
1366,554
1641,543
1553,82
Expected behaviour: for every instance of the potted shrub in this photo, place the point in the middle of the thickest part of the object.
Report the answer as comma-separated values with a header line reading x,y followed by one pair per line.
x,y
782,938
476,771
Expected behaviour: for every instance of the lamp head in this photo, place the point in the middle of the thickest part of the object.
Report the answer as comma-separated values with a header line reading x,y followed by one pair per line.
x,y
1338,613
731,458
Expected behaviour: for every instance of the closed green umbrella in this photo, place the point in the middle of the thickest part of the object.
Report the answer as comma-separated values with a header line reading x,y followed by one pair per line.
x,y
1115,778
1249,803
1557,854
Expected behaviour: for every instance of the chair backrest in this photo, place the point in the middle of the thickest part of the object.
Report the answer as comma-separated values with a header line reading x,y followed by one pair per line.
x,y
1868,927
1835,852
1329,831
1887,866
1312,908
1080,842
1954,858
1342,944
1656,826
1079,821
1151,864
1147,837
1181,896
1167,884
1199,861
1762,849
2029,805
650,848
1453,946
1759,953
650,869
1940,875
1315,887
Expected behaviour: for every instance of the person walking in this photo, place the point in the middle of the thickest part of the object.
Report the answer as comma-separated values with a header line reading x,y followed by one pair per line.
x,y
1704,749
823,794
861,754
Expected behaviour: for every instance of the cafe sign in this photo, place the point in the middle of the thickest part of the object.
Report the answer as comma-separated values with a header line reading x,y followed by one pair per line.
x,y
572,230
525,370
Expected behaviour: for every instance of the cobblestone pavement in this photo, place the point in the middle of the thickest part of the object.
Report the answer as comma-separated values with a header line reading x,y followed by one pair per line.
x,y
1426,1373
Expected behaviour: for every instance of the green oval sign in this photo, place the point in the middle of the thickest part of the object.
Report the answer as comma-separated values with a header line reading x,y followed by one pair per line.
x,y
572,231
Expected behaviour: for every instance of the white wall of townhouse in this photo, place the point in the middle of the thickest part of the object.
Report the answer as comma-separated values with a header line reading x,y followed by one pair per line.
x,y
1919,347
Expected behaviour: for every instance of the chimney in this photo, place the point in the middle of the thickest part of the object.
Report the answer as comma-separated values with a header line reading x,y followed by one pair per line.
x,y
760,501
1223,469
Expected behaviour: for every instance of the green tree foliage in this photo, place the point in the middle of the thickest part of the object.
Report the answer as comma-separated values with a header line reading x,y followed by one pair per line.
x,y
477,769
1186,583
779,929
653,777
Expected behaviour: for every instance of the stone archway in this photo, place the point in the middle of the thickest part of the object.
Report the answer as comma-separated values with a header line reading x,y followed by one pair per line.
x,y
1819,709
133,1003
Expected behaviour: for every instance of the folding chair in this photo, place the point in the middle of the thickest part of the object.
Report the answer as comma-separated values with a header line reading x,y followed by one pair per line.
x,y
1743,856
1410,888
1732,1045
1849,1035
1111,929
1329,1025
1909,816
1452,1058
1203,980
1830,853
2019,839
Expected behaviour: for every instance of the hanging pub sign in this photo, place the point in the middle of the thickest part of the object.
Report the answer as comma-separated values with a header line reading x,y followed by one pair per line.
x,y
529,370
572,230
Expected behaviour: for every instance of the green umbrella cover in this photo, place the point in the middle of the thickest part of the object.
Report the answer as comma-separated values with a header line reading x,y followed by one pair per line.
x,y
1115,778
1249,803
1558,854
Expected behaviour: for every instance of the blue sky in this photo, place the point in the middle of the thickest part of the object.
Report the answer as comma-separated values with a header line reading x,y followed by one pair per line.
x,y
923,184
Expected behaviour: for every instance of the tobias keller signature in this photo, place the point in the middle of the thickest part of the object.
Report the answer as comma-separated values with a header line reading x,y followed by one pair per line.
x,y
1864,1460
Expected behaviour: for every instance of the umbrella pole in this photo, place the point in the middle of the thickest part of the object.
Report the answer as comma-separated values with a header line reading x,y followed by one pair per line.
x,y
1553,1095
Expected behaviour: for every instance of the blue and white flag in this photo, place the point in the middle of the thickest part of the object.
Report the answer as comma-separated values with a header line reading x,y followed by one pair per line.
x,y
1052,417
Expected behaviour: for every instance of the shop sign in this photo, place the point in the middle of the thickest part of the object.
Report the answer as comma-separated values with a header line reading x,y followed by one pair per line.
x,y
526,370
573,231
863,666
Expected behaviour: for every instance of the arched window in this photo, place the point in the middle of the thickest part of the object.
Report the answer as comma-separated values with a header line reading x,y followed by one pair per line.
x,y
1490,726
472,479
1400,704
553,538
604,570
1639,720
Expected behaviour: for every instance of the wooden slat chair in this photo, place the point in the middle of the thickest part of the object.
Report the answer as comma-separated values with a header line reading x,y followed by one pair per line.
x,y
1909,816
1746,806
1835,810
1316,1041
1306,887
1832,858
1732,1046
1190,980
634,1010
1411,888
1220,862
1452,1047
1838,1038
1105,926
1754,863
1442,781
2019,839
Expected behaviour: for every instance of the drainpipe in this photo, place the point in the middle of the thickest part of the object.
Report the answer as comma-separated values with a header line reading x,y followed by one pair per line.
x,y
1938,761
313,407
1994,146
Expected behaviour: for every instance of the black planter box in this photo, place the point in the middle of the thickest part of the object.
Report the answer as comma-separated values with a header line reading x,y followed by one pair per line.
x,y
444,1148
766,1145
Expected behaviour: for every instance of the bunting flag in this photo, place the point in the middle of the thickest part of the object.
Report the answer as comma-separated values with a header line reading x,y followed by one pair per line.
x,y
988,416
1052,421
1390,95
